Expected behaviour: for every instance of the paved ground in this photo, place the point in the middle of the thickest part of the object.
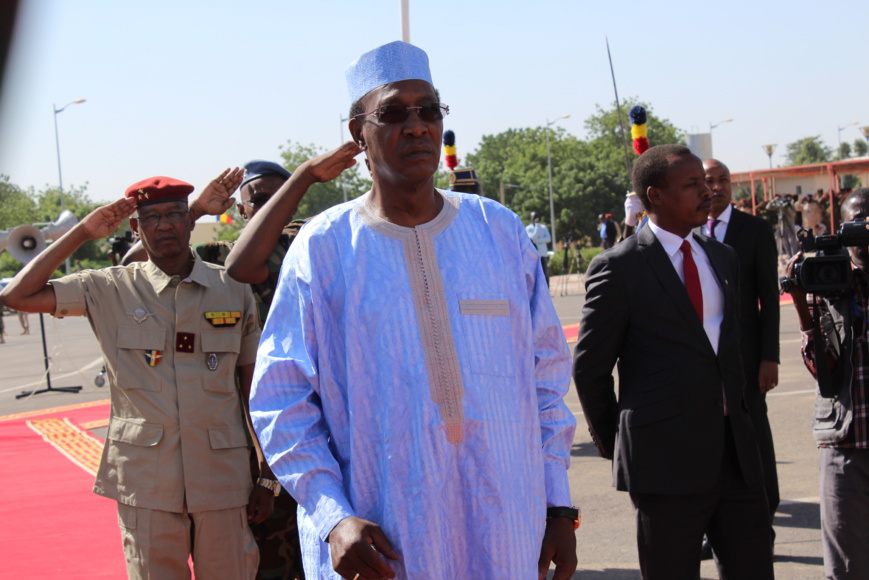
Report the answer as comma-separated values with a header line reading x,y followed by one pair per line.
x,y
606,544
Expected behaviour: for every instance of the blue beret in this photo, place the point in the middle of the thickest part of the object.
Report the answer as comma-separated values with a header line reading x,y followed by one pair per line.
x,y
390,63
258,168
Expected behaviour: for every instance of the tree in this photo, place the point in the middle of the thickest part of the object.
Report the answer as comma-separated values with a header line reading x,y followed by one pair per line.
x,y
860,147
19,207
230,232
589,177
16,207
808,150
844,151
321,196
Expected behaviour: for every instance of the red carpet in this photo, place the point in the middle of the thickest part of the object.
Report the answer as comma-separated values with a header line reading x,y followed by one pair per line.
x,y
51,525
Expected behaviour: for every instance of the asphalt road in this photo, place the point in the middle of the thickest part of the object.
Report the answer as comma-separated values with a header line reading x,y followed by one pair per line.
x,y
606,540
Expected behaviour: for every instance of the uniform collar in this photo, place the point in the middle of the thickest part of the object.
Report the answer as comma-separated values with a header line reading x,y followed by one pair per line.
x,y
160,280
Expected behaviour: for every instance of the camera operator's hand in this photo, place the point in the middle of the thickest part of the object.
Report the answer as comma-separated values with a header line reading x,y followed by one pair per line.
x,y
798,294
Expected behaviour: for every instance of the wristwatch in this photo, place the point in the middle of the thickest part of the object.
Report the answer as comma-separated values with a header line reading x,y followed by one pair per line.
x,y
572,513
273,485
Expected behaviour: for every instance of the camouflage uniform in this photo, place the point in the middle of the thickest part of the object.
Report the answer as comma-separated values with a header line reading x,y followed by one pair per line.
x,y
277,537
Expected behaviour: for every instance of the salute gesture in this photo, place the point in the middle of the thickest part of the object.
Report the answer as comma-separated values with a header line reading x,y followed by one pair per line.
x,y
216,198
329,166
248,260
104,220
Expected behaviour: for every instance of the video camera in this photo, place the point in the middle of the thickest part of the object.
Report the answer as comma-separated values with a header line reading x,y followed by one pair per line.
x,y
828,273
120,245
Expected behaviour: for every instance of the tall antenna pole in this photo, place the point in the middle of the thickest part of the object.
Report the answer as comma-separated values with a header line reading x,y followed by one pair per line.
x,y
619,109
405,20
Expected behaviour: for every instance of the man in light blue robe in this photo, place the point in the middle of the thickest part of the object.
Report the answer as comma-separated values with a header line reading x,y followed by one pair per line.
x,y
410,380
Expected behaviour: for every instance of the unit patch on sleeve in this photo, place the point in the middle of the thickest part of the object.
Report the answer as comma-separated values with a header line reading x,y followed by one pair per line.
x,y
223,318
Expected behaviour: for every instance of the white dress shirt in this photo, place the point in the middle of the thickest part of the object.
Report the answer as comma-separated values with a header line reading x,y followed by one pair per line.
x,y
713,297
721,226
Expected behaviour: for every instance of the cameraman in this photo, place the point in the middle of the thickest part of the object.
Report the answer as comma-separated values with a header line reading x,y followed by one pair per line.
x,y
841,423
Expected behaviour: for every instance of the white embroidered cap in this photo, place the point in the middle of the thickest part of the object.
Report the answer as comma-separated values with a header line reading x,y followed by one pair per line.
x,y
390,63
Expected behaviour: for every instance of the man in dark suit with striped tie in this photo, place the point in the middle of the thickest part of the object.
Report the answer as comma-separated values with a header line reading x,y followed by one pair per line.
x,y
759,311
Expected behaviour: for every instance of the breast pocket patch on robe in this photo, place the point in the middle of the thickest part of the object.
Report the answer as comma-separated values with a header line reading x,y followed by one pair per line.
x,y
486,325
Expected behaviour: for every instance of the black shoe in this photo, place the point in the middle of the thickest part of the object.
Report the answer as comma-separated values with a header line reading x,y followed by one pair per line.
x,y
706,549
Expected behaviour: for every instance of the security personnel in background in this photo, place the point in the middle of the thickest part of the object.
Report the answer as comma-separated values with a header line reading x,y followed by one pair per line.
x,y
176,334
464,179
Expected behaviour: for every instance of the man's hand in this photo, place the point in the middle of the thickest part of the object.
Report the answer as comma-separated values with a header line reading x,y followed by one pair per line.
x,y
559,547
796,292
356,545
216,198
328,166
104,220
767,378
799,295
260,504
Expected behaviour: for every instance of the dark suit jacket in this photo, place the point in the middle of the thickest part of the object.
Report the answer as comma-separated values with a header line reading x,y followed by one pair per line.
x,y
665,432
753,240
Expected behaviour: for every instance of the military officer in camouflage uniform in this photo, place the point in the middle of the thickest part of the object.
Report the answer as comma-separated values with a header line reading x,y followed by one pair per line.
x,y
277,537
176,334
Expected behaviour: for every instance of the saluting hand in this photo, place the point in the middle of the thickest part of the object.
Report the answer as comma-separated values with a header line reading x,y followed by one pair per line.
x,y
328,166
216,198
104,220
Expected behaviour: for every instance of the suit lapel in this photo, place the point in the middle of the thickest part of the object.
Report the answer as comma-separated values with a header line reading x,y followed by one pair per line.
x,y
661,265
717,259
736,224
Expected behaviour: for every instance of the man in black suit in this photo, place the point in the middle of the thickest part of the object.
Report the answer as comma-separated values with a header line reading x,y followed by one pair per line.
x,y
663,305
753,240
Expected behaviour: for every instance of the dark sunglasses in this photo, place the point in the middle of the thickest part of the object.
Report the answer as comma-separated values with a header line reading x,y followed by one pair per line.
x,y
394,114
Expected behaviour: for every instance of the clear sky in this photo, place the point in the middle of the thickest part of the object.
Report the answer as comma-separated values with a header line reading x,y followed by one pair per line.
x,y
187,87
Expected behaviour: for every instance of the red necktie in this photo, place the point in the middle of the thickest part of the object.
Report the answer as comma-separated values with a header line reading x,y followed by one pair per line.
x,y
692,279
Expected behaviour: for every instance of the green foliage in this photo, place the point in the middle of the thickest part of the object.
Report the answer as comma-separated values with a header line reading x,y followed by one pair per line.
x,y
844,151
9,266
230,232
16,206
586,255
808,150
861,147
321,196
850,181
20,207
589,177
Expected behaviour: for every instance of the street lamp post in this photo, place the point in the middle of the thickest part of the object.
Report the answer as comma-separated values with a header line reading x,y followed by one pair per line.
x,y
712,126
843,127
59,173
549,165
769,149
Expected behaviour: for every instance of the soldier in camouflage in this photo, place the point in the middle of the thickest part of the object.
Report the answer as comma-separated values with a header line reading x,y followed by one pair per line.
x,y
278,536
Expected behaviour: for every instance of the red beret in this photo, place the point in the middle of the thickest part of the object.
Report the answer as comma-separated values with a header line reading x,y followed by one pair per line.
x,y
158,190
